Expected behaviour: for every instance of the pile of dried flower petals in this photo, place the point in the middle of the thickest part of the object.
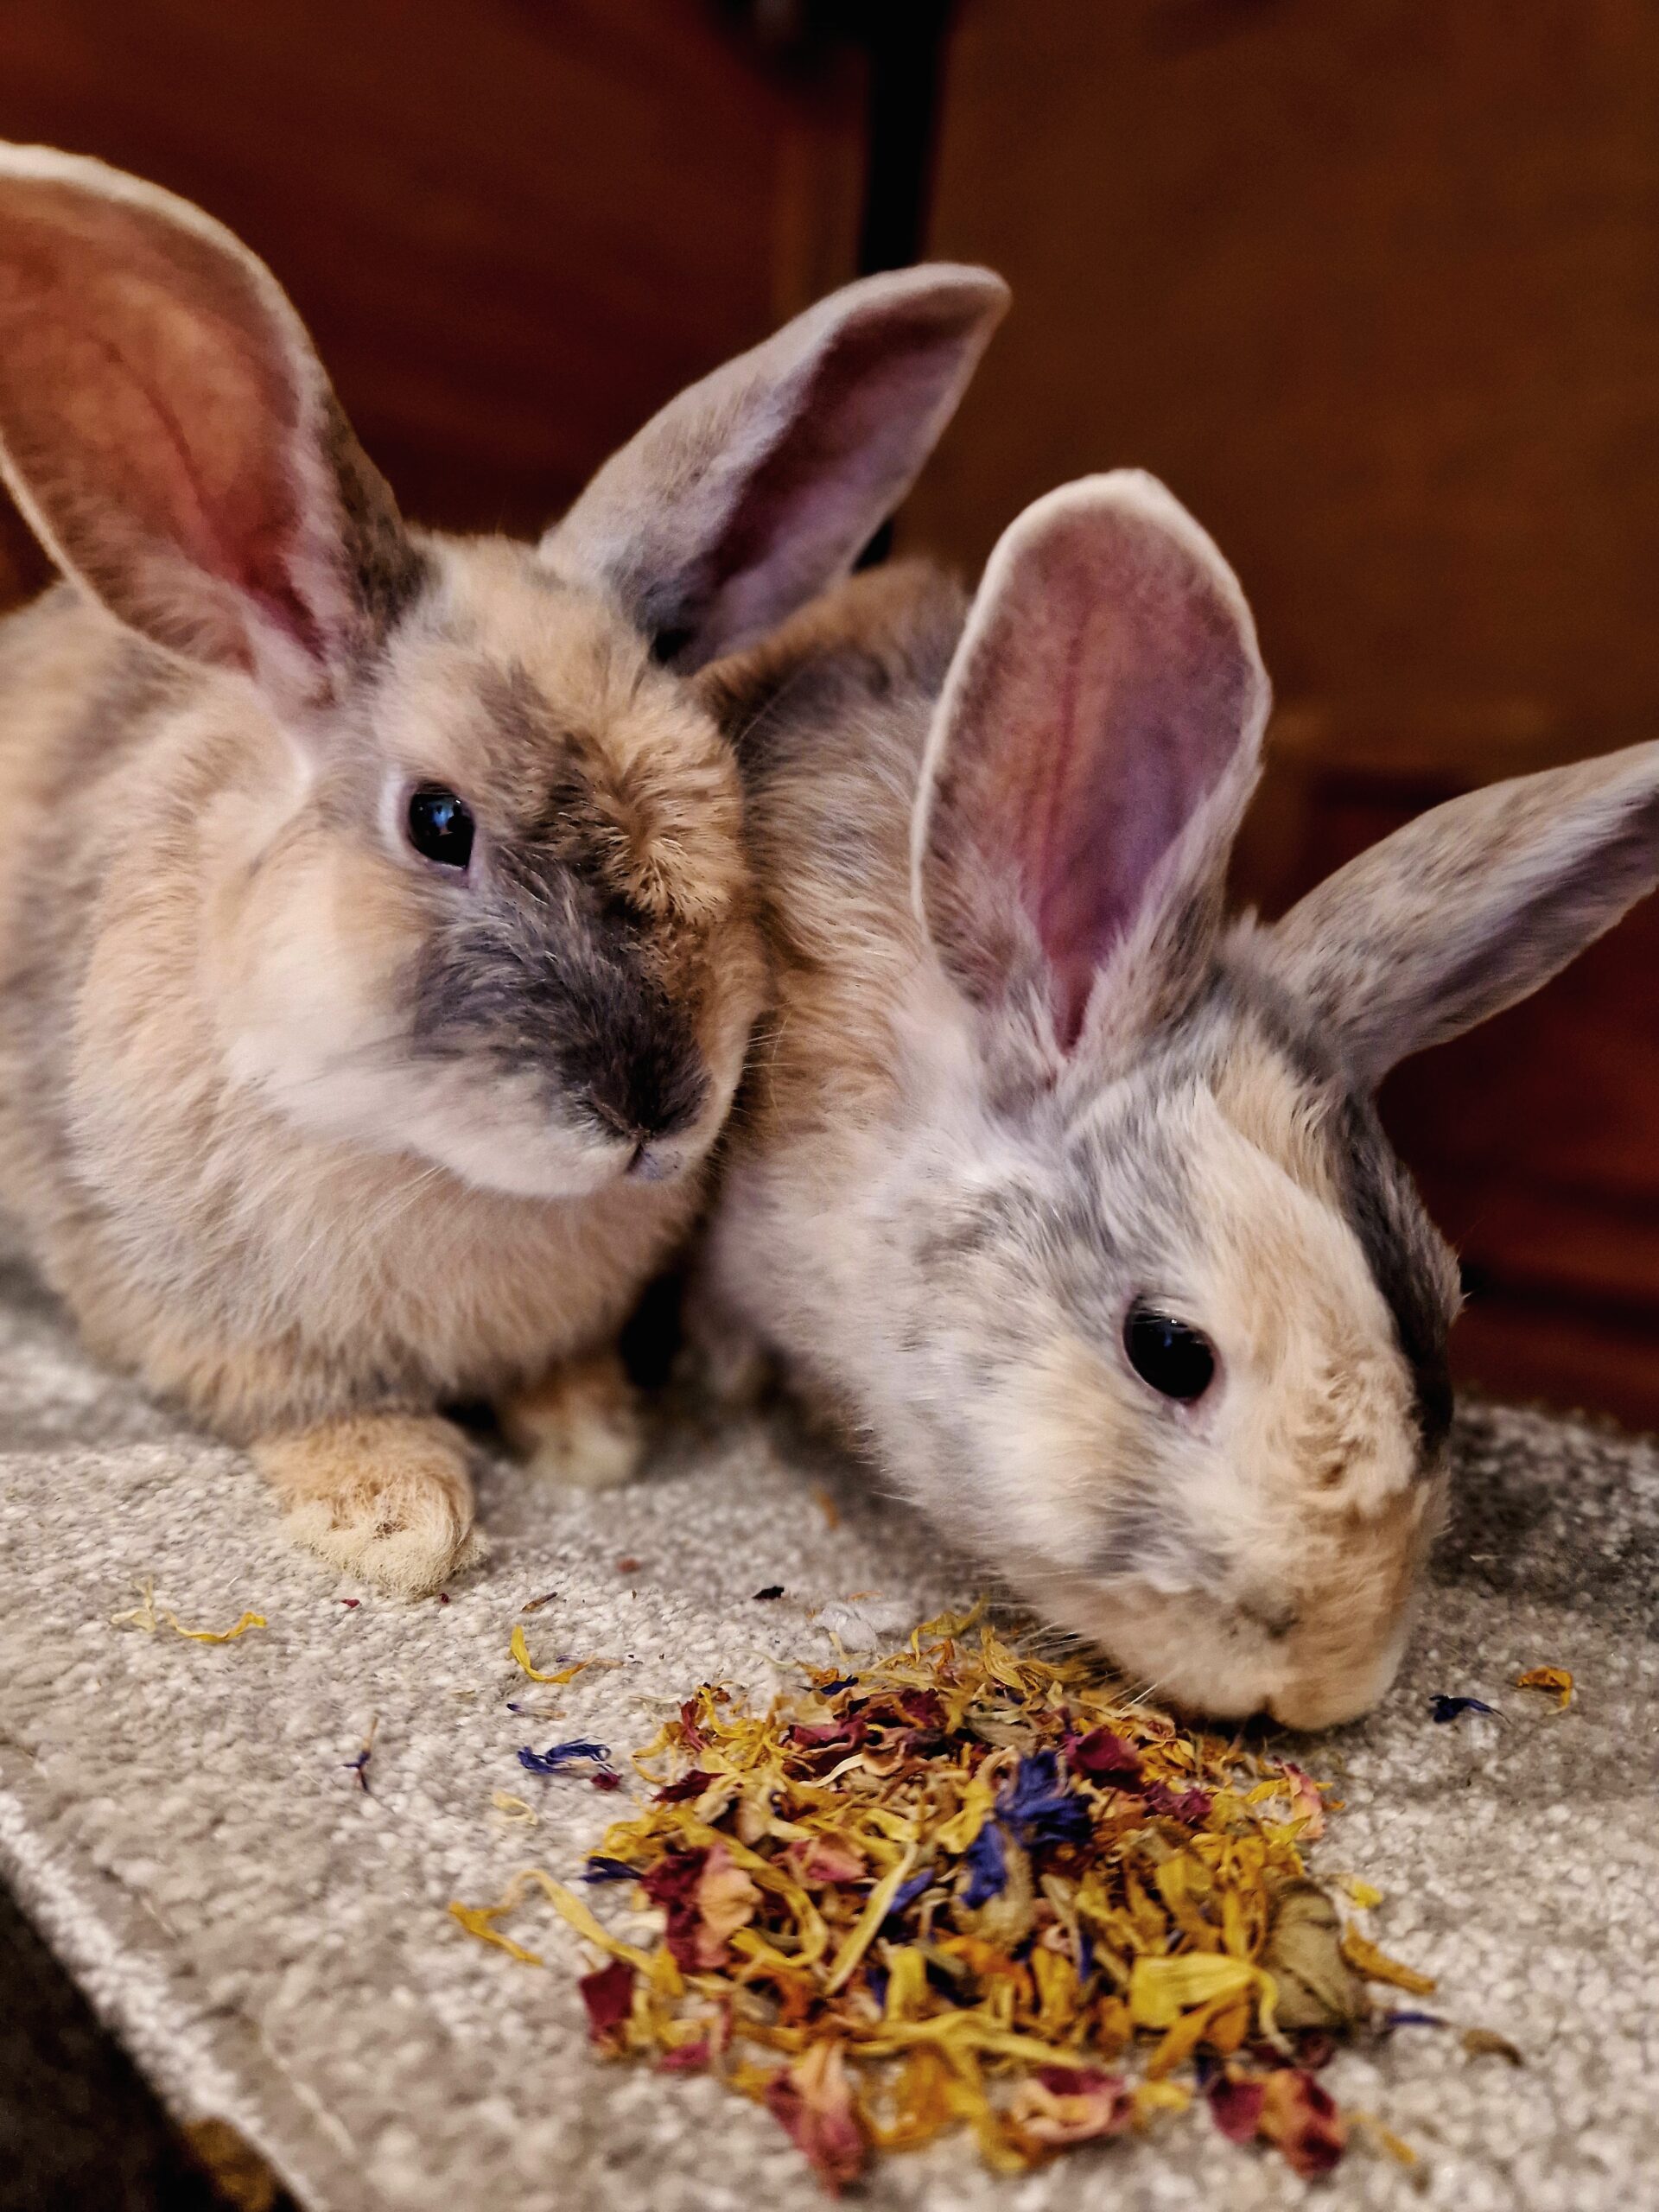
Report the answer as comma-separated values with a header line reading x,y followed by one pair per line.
x,y
966,1885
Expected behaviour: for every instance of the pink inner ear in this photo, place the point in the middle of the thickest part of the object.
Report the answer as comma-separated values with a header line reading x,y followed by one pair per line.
x,y
1108,689
845,462
147,402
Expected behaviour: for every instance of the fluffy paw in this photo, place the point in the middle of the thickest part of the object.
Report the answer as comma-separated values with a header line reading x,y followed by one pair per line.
x,y
581,1427
389,1500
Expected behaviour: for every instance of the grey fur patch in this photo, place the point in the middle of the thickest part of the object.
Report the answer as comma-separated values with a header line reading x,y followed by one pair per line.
x,y
387,569
552,971
1407,1257
1407,1263
545,977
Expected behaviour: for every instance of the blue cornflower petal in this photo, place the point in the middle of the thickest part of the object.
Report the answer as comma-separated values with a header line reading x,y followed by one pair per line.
x,y
601,1869
559,1755
986,1860
1453,1708
1039,1808
907,1894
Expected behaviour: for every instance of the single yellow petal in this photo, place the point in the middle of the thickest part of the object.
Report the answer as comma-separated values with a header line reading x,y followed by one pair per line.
x,y
864,1932
1359,1893
479,1920
1161,1989
216,1635
1548,1678
520,1651
1377,1966
906,1983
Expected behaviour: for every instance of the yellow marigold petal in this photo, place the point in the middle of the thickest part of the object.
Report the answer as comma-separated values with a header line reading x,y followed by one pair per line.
x,y
1161,1989
1359,1893
149,1617
906,1983
479,1920
869,1921
520,1650
1385,2139
1547,1678
216,1635
1377,1966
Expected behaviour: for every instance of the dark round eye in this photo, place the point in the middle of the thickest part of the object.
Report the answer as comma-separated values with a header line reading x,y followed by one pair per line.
x,y
1177,1360
440,826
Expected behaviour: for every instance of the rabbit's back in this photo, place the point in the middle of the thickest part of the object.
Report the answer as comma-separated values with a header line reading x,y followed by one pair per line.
x,y
832,717
77,698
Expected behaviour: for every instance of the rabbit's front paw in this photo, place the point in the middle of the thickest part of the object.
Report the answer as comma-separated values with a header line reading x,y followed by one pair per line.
x,y
580,1427
385,1497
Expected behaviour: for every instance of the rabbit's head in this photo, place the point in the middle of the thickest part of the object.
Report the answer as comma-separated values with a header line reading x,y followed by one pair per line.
x,y
471,868
1177,1354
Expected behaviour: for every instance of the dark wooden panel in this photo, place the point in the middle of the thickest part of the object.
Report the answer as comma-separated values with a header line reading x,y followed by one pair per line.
x,y
1562,1352
515,228
1375,287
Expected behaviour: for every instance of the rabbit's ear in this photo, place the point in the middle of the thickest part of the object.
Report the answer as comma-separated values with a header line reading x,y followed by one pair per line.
x,y
1471,907
169,432
1093,750
763,483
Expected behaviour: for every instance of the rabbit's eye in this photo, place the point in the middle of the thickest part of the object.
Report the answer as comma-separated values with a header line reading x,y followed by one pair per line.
x,y
440,826
1177,1360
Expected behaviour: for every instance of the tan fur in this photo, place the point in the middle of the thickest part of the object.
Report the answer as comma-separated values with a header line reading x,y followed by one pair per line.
x,y
315,1122
379,1495
833,841
391,1267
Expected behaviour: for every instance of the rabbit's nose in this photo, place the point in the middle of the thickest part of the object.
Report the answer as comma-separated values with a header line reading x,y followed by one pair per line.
x,y
649,1093
646,1106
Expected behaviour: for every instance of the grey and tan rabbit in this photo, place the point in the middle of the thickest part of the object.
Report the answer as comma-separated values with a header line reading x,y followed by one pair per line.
x,y
377,948
1069,1190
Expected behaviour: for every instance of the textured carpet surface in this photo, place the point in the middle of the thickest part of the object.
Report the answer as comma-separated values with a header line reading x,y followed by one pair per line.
x,y
273,1947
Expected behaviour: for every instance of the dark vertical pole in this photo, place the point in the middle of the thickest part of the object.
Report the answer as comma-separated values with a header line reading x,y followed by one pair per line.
x,y
904,41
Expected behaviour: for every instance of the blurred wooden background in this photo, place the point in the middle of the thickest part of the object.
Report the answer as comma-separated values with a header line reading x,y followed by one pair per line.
x,y
1375,287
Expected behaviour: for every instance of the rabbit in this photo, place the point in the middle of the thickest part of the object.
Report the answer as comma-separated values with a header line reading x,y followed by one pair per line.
x,y
378,951
1065,1192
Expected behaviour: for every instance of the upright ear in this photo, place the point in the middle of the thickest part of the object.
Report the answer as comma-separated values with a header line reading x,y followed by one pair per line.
x,y
761,485
1471,907
168,431
1094,748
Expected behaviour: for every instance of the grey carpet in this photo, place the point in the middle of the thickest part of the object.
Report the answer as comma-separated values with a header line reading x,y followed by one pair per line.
x,y
272,1944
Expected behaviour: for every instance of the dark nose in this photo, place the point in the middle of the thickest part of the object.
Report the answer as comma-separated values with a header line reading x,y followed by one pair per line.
x,y
628,1046
644,1096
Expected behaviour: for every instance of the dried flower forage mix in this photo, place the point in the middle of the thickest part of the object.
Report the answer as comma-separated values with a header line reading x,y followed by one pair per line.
x,y
968,1886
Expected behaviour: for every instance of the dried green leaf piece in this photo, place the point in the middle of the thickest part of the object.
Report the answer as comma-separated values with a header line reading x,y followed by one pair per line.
x,y
1318,1988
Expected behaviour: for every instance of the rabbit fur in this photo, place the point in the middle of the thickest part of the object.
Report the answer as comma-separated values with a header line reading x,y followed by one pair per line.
x,y
1025,1081
315,1132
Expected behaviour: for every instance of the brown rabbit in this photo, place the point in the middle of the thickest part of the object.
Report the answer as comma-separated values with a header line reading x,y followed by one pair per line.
x,y
377,948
